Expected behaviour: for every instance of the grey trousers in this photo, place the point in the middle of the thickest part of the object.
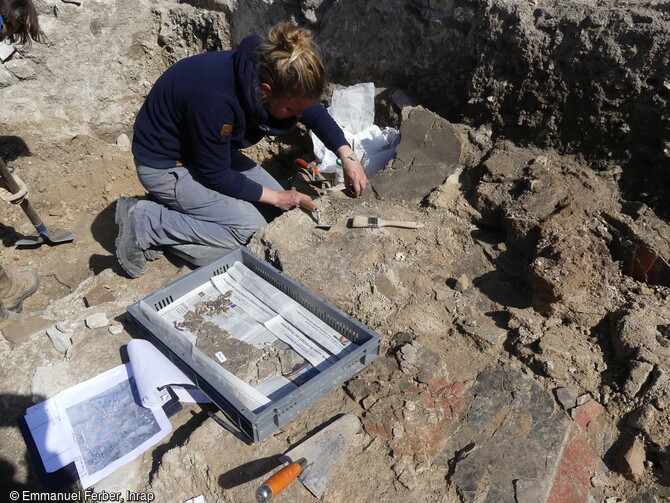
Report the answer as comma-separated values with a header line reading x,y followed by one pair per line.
x,y
190,213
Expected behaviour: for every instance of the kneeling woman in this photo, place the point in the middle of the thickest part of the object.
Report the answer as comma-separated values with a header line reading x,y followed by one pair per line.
x,y
187,140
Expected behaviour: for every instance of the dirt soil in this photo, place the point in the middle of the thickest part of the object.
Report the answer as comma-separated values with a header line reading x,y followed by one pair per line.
x,y
541,254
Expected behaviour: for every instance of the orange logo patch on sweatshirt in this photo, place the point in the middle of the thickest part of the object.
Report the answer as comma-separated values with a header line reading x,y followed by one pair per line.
x,y
226,129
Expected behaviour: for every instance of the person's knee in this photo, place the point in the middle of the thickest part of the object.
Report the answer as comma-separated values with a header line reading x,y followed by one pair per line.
x,y
245,230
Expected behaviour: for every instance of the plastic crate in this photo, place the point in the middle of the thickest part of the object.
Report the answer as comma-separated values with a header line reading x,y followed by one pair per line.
x,y
258,426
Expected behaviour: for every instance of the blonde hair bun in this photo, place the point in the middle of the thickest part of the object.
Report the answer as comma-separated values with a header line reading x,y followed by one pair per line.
x,y
290,63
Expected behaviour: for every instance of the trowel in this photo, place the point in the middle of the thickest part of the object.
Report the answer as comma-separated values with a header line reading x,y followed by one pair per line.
x,y
313,460
311,207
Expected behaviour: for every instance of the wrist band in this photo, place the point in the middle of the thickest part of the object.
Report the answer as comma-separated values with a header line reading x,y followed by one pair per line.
x,y
340,160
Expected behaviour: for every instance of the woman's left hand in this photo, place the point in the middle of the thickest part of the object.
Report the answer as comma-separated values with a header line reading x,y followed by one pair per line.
x,y
354,177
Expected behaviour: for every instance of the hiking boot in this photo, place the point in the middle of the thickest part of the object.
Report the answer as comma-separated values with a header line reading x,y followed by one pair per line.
x,y
128,251
15,288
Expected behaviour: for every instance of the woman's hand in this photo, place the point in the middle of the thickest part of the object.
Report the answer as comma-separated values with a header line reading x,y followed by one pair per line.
x,y
285,200
354,176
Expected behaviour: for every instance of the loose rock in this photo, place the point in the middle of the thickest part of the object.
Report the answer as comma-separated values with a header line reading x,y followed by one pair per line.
x,y
62,341
630,461
97,320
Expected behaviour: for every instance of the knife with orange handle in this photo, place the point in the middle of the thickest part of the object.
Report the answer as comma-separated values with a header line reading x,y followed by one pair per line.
x,y
280,480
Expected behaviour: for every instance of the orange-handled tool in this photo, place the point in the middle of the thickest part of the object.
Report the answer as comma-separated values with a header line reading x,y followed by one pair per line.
x,y
280,480
307,165
311,169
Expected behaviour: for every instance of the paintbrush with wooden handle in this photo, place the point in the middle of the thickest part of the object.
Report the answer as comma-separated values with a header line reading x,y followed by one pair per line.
x,y
378,222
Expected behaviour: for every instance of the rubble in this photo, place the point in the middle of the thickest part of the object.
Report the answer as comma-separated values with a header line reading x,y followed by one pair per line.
x,y
630,461
98,295
115,329
97,320
61,339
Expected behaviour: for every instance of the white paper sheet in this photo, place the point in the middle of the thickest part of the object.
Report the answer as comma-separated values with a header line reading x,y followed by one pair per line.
x,y
67,426
153,371
309,325
99,424
6,50
44,423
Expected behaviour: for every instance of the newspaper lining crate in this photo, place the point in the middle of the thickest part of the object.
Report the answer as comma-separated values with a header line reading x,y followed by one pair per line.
x,y
259,425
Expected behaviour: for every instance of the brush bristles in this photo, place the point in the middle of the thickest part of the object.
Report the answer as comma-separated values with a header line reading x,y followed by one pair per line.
x,y
365,222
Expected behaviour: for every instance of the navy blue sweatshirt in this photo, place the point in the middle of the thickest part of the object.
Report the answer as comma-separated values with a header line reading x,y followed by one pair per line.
x,y
204,106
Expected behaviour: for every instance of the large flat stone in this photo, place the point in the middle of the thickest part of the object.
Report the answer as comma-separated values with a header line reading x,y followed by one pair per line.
x,y
19,332
429,151
516,444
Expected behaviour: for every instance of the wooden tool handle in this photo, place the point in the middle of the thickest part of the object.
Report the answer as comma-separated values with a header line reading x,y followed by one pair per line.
x,y
14,188
396,223
8,178
308,205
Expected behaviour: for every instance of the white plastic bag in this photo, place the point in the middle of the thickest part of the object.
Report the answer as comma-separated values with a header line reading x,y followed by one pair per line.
x,y
379,146
353,108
